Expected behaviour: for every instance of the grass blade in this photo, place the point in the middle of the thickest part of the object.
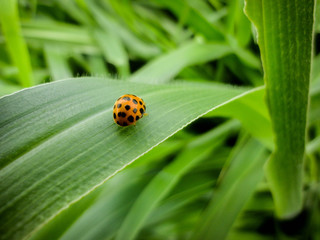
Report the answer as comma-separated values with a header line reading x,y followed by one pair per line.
x,y
195,151
285,41
134,45
173,62
191,17
62,139
57,62
113,50
16,45
235,189
252,112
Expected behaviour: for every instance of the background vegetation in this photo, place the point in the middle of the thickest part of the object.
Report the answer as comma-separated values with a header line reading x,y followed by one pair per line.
x,y
193,168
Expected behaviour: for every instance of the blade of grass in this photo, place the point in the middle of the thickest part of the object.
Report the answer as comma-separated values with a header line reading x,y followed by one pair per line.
x,y
313,145
87,220
167,66
113,50
56,31
285,41
194,152
243,27
157,18
75,11
140,26
8,88
57,61
75,38
193,186
233,11
97,66
186,13
236,187
62,139
135,46
15,43
252,112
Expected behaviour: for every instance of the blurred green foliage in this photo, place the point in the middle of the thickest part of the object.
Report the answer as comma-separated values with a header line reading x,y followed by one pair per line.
x,y
117,38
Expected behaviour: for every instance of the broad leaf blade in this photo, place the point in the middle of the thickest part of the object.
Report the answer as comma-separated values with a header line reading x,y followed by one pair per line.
x,y
58,141
285,40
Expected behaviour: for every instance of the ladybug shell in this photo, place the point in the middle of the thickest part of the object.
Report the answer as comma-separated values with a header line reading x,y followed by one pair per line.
x,y
128,109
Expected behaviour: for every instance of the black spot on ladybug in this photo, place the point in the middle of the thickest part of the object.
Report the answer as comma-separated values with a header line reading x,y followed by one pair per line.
x,y
137,118
144,106
119,105
118,123
119,114
130,119
126,98
140,102
141,110
134,101
123,114
124,124
135,110
114,116
127,107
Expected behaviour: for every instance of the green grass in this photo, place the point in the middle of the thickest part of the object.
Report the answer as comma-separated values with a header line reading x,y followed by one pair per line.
x,y
229,148
286,57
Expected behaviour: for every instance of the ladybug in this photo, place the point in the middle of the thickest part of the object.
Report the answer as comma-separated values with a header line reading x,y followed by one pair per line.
x,y
128,109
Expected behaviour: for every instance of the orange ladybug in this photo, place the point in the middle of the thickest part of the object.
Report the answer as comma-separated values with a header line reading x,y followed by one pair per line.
x,y
128,109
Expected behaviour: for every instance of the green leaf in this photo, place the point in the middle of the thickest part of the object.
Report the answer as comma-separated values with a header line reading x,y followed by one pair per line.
x,y
8,88
58,141
189,189
110,199
17,48
191,17
113,50
285,40
57,62
195,151
252,112
75,11
103,218
168,65
135,45
74,37
238,182
97,66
